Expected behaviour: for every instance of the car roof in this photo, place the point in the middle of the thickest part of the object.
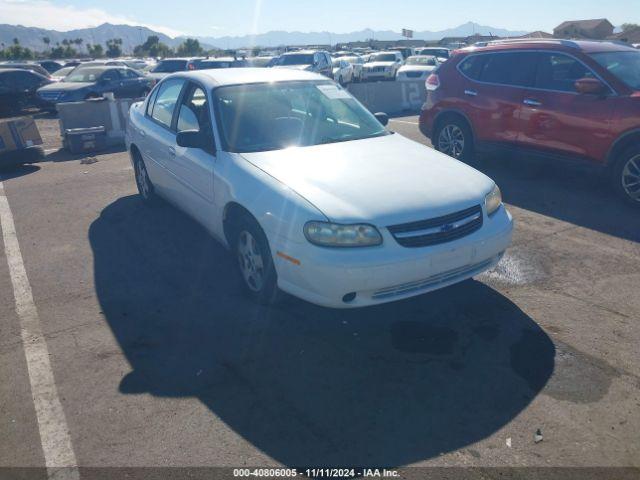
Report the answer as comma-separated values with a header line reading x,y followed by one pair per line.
x,y
585,46
241,76
21,70
304,52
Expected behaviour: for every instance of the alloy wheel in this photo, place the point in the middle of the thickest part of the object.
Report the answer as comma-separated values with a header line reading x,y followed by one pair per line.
x,y
251,262
451,141
631,178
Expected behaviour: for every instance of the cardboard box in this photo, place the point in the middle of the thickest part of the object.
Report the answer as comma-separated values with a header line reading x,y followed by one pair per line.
x,y
18,134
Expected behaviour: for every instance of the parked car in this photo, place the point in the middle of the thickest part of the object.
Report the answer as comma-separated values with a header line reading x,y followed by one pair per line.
x,y
60,75
18,89
172,65
357,62
442,54
317,61
405,51
303,184
93,82
34,67
577,100
221,62
342,71
418,67
382,66
261,62
50,65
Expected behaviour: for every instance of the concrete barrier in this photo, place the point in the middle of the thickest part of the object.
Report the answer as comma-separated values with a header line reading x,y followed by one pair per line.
x,y
390,97
110,114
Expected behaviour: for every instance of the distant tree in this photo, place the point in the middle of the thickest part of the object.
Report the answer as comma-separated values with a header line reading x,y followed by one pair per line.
x,y
114,48
95,51
63,52
16,41
153,47
629,26
16,52
189,48
46,41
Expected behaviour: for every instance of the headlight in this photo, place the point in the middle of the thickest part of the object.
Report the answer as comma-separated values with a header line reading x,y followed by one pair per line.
x,y
334,235
493,200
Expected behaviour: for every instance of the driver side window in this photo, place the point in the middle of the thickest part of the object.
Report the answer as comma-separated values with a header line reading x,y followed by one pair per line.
x,y
194,113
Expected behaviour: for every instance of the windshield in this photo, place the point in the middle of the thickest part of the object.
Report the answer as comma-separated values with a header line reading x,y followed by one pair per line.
x,y
336,63
421,61
63,72
297,59
383,57
255,118
214,64
85,74
623,65
170,66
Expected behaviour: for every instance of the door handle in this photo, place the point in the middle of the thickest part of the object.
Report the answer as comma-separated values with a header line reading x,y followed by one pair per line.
x,y
471,93
172,151
532,103
142,133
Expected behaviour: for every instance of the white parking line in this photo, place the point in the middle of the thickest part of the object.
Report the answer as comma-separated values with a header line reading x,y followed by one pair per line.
x,y
403,121
54,433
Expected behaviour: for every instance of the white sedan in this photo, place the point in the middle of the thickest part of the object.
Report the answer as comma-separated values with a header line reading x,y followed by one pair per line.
x,y
418,67
311,193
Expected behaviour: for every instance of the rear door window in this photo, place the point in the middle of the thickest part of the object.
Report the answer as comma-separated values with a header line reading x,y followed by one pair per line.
x,y
166,100
472,66
559,72
516,69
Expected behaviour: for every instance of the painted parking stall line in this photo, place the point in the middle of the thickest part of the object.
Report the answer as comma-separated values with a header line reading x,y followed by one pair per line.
x,y
403,121
58,451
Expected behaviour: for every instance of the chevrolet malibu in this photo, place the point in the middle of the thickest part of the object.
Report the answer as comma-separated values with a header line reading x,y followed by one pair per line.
x,y
310,191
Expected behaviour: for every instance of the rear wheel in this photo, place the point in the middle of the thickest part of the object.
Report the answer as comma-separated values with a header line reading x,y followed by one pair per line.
x,y
143,182
453,137
254,261
626,176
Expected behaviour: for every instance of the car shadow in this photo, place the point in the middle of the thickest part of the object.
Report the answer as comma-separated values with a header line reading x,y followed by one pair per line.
x,y
382,386
9,173
576,194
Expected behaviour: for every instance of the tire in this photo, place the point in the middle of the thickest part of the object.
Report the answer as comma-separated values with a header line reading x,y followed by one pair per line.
x,y
340,81
143,182
625,176
254,261
452,136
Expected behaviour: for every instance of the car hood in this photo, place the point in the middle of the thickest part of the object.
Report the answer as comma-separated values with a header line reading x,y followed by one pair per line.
x,y
66,86
384,181
379,64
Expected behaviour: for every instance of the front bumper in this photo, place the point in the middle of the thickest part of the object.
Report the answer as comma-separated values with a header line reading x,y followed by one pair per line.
x,y
389,272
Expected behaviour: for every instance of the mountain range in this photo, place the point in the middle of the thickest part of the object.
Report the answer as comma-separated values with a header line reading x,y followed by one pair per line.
x,y
32,37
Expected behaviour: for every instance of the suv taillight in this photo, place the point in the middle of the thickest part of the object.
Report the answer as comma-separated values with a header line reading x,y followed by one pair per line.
x,y
433,82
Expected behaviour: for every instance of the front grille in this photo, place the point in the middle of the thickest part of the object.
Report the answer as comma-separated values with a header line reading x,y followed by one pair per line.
x,y
414,74
375,69
438,230
50,96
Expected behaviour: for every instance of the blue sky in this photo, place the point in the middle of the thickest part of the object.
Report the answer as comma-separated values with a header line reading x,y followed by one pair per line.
x,y
240,17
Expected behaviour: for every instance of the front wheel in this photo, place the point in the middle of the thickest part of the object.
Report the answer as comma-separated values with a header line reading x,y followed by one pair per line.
x,y
254,261
453,137
626,176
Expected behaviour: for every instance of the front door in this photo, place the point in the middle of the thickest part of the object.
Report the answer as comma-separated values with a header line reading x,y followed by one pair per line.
x,y
559,120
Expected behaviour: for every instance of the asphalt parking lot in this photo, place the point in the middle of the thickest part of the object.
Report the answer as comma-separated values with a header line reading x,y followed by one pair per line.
x,y
158,359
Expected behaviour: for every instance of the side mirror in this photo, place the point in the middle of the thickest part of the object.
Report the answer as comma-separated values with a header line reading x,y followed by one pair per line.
x,y
383,118
590,86
193,139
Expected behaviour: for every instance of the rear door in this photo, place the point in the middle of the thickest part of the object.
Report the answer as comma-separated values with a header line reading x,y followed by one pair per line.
x,y
494,87
557,119
193,168
131,83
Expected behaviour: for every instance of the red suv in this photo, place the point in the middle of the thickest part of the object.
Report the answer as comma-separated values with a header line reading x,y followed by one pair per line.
x,y
559,98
